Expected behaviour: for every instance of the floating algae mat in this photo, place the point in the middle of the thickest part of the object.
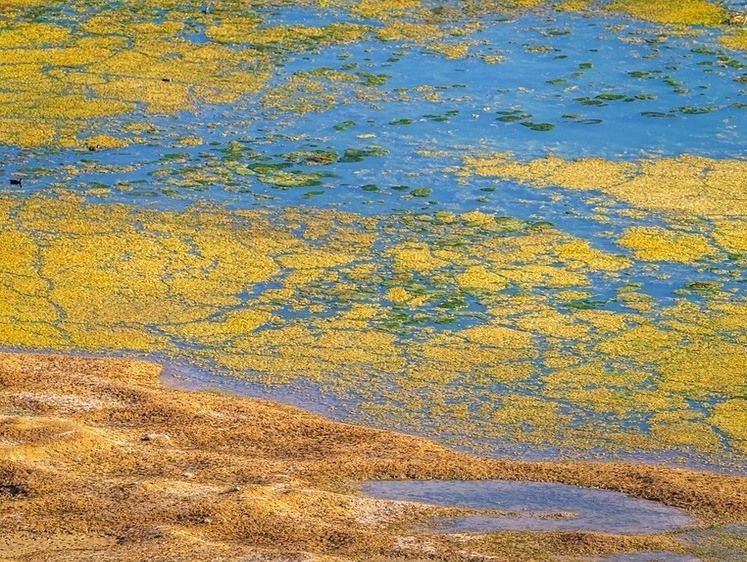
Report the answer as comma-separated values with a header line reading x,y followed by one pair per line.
x,y
535,506
516,227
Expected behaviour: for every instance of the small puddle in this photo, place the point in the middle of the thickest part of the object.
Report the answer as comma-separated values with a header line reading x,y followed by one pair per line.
x,y
650,557
534,506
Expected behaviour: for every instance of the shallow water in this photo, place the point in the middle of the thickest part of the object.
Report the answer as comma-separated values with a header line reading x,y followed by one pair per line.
x,y
650,557
726,542
564,507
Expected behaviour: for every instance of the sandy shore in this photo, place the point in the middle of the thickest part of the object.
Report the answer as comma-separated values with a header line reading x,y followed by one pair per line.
x,y
99,461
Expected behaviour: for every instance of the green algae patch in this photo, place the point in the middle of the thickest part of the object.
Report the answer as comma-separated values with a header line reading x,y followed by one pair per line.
x,y
687,12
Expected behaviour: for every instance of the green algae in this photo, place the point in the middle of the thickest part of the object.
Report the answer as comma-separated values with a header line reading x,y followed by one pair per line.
x,y
541,127
360,154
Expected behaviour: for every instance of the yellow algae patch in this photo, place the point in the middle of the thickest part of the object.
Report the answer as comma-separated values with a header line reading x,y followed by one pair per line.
x,y
305,92
705,369
26,134
234,324
398,295
498,336
104,336
689,185
644,342
32,35
400,30
298,37
572,5
447,360
688,12
583,173
684,429
78,107
736,41
731,236
376,307
314,260
159,96
527,417
731,316
415,257
548,321
235,30
547,276
579,253
480,278
101,142
525,3
660,244
731,418
595,386
385,9
509,372
686,185
17,254
17,333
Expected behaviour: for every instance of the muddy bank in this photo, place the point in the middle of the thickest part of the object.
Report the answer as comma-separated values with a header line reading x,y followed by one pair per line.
x,y
100,461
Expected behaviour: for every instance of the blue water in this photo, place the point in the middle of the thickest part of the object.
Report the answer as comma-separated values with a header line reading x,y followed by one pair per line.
x,y
686,86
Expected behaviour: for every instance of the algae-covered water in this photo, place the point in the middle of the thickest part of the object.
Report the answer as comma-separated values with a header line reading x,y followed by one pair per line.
x,y
516,227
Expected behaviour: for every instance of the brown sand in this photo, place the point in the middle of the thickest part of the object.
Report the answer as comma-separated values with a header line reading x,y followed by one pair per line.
x,y
99,461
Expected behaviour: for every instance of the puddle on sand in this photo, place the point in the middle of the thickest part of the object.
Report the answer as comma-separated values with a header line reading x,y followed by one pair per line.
x,y
650,557
537,507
